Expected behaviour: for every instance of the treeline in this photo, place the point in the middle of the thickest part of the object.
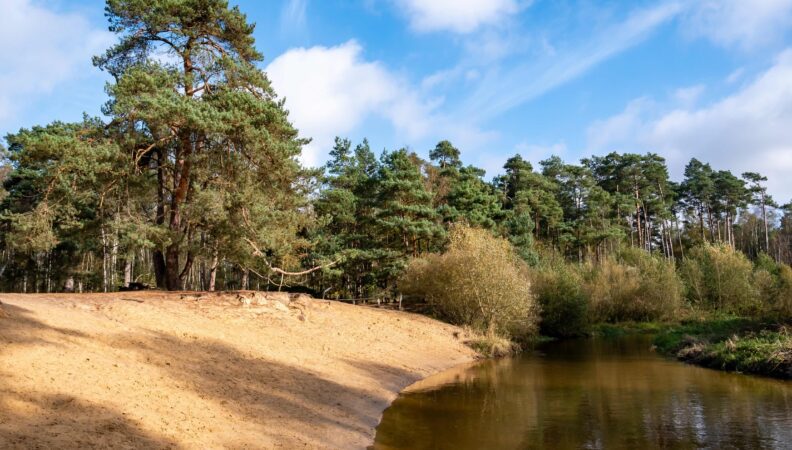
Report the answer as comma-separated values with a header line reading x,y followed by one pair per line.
x,y
360,219
193,182
380,212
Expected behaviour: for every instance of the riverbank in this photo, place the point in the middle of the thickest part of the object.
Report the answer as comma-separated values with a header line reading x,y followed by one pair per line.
x,y
734,344
156,370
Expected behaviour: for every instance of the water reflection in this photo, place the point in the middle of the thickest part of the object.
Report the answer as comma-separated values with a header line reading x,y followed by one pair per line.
x,y
593,394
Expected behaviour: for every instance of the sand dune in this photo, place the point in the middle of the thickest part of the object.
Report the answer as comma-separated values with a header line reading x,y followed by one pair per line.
x,y
238,370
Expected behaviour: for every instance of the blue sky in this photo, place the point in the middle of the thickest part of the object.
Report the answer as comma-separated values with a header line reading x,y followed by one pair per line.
x,y
710,79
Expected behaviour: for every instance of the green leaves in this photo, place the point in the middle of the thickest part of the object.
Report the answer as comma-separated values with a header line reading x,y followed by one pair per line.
x,y
63,173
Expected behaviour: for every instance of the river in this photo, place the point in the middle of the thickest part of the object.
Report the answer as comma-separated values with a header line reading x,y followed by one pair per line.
x,y
602,393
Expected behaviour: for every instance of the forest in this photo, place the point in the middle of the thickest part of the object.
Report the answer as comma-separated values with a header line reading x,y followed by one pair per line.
x,y
192,181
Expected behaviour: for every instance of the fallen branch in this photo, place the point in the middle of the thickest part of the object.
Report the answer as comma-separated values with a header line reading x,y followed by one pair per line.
x,y
257,252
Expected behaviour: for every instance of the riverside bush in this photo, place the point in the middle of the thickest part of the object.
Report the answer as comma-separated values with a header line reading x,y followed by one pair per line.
x,y
773,282
783,300
564,307
634,286
479,281
718,278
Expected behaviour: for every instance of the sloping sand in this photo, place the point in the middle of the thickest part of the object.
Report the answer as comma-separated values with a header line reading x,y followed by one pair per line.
x,y
155,370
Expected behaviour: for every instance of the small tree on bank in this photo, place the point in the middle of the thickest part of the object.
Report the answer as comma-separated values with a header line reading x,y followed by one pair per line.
x,y
479,281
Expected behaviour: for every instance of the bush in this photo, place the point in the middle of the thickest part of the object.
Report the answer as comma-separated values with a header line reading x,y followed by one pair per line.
x,y
564,307
783,300
773,282
717,277
635,286
479,281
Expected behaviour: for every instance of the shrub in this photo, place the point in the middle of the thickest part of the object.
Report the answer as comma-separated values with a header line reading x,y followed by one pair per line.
x,y
717,277
635,286
564,307
783,300
773,282
479,281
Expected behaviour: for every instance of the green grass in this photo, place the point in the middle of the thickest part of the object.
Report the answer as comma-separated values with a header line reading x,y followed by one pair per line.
x,y
762,347
625,328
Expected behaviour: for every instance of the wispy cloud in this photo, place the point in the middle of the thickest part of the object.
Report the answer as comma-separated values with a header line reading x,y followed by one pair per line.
x,y
459,16
502,90
293,17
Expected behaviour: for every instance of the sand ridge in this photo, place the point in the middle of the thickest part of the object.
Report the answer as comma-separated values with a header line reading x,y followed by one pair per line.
x,y
191,370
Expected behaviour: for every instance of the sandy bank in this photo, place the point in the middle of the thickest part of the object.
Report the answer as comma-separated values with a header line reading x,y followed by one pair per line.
x,y
153,370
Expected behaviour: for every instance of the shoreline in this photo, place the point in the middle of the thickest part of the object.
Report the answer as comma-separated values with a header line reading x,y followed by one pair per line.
x,y
747,346
185,370
732,344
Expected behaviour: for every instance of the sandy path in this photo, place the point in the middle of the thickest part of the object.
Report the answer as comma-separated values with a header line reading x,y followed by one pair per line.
x,y
153,370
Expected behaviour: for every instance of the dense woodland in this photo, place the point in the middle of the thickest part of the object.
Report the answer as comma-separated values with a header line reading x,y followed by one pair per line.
x,y
192,181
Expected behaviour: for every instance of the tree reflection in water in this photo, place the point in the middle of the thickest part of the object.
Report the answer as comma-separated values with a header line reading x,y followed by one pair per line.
x,y
596,393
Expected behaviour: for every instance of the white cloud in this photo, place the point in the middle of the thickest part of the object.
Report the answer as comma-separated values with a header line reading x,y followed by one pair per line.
x,y
41,50
330,91
459,16
746,131
742,23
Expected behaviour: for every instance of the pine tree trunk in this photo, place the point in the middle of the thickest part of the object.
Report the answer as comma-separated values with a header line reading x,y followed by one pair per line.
x,y
159,268
68,286
172,282
127,271
764,218
113,260
213,272
104,259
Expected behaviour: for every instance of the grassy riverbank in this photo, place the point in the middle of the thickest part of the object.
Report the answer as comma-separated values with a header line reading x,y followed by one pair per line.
x,y
761,347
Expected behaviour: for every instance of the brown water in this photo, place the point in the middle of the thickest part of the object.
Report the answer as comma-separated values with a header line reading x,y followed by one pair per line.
x,y
590,394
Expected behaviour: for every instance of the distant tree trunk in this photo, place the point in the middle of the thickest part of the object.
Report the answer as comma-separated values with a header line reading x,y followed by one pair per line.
x,y
213,272
764,219
104,259
128,270
68,286
679,237
113,260
245,278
